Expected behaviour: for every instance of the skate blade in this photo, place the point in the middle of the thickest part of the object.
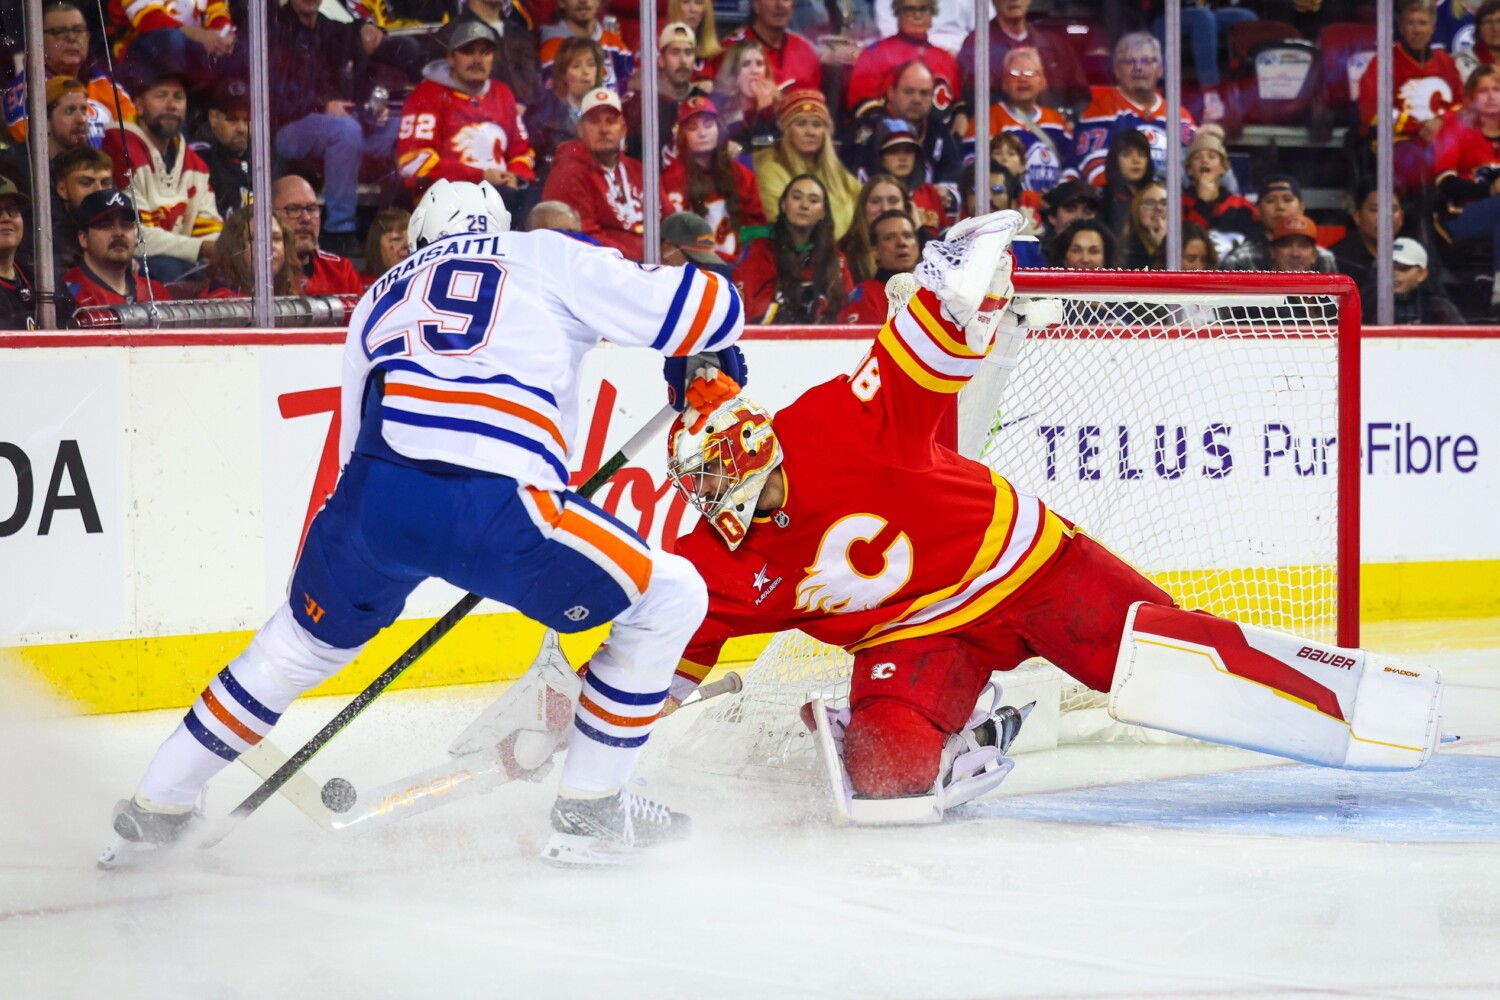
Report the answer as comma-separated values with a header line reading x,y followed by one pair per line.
x,y
125,855
573,850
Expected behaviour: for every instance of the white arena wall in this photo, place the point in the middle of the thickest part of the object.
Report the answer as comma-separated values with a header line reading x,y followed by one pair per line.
x,y
154,489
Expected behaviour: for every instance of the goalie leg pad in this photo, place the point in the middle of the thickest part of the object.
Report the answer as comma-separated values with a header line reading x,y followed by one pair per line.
x,y
891,750
1213,679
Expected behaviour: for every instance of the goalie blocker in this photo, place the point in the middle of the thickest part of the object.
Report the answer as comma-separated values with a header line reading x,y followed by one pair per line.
x,y
1213,679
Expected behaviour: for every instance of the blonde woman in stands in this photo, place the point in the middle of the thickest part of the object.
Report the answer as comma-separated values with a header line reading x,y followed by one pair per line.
x,y
747,96
882,193
231,272
806,147
698,15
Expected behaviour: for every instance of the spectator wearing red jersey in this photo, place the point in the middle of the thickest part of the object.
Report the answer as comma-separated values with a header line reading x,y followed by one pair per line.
x,y
601,183
747,95
896,252
1206,201
196,35
1467,160
872,73
517,63
792,60
580,19
1134,103
231,274
950,24
320,75
460,125
106,276
169,181
900,156
318,271
1069,88
797,274
705,180
1425,87
65,52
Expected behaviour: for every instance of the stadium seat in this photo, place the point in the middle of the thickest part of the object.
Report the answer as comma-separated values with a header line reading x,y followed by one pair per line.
x,y
1348,50
1274,73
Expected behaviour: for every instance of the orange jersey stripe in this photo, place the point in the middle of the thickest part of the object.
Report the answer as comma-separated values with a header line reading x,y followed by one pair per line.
x,y
546,505
632,563
477,399
234,725
700,321
629,721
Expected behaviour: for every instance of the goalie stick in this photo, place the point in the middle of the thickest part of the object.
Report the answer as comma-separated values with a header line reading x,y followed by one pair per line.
x,y
468,775
428,639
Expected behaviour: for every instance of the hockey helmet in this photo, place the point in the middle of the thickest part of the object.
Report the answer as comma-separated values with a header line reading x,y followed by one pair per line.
x,y
722,468
452,207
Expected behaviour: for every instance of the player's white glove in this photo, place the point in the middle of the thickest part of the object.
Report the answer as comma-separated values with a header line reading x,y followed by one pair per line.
x,y
970,273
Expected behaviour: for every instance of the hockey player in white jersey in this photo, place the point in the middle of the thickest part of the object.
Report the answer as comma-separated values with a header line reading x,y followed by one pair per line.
x,y
459,402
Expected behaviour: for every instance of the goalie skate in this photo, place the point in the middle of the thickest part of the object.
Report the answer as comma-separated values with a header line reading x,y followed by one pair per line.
x,y
591,833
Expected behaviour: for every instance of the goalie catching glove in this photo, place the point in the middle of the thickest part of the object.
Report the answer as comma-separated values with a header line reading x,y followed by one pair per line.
x,y
969,272
704,381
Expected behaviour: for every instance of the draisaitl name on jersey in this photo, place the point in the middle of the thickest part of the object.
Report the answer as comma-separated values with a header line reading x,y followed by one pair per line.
x,y
461,244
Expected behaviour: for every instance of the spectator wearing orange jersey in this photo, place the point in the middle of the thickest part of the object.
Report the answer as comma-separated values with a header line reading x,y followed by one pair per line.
x,y
705,180
65,52
580,19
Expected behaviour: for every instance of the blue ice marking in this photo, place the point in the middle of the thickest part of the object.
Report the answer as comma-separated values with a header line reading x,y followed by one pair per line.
x,y
1451,799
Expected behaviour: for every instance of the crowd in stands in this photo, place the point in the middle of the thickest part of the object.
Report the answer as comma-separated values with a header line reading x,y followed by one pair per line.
x,y
806,155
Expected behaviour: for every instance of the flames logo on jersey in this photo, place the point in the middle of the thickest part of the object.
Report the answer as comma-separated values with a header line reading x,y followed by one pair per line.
x,y
838,582
481,145
1424,97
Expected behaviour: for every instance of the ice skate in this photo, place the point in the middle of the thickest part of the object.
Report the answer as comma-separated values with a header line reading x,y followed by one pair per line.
x,y
143,834
608,831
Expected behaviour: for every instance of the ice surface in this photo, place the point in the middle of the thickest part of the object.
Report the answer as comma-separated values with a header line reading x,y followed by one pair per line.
x,y
1124,871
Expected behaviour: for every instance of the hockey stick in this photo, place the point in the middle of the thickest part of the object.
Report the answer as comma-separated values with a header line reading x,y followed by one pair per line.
x,y
428,639
473,774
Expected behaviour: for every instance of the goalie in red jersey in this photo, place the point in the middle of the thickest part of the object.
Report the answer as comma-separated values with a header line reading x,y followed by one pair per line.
x,y
843,517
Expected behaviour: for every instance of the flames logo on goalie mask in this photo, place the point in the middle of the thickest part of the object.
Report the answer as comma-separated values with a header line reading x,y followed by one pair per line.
x,y
722,468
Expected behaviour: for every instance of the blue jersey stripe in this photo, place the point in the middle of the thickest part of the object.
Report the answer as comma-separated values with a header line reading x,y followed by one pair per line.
x,y
387,412
412,366
730,315
606,739
623,697
246,699
208,739
675,313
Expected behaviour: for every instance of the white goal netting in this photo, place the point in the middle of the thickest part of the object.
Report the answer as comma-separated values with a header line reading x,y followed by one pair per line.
x,y
1191,423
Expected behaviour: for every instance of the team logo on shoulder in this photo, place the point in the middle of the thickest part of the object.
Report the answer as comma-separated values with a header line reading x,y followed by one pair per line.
x,y
576,613
882,671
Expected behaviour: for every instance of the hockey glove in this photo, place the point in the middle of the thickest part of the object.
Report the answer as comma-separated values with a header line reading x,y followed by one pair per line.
x,y
680,373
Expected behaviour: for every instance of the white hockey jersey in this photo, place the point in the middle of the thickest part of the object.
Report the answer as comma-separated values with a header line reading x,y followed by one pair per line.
x,y
479,337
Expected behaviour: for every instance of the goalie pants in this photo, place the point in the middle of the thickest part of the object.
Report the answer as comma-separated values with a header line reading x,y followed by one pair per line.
x,y
906,697
555,557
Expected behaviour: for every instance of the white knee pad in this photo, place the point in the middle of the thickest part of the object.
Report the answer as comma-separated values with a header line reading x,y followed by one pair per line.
x,y
284,660
653,632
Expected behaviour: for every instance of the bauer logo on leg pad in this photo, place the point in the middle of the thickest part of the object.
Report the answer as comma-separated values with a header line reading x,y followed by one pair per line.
x,y
882,671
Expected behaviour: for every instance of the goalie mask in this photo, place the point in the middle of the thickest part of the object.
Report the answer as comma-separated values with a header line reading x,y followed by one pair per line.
x,y
722,469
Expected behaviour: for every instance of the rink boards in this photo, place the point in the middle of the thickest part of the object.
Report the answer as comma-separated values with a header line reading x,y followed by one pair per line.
x,y
153,496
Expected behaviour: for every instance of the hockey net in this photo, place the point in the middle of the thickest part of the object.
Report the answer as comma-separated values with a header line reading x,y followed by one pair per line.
x,y
1188,421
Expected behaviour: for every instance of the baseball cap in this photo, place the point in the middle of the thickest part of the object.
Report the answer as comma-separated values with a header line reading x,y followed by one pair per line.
x,y
677,31
101,205
892,133
1069,193
470,29
8,189
695,105
1294,225
691,234
601,98
61,86
229,94
1409,252
1281,182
